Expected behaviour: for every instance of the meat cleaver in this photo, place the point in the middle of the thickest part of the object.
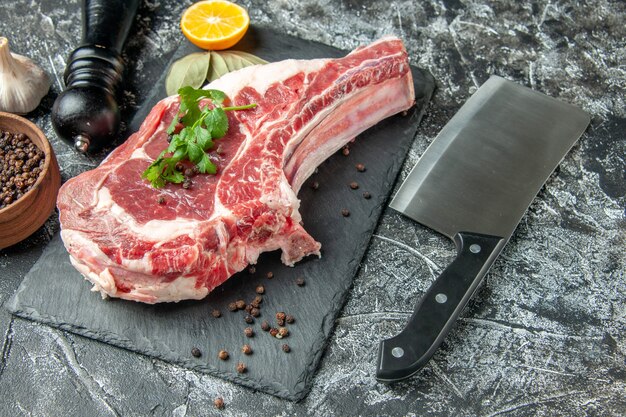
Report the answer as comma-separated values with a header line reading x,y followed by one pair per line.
x,y
473,185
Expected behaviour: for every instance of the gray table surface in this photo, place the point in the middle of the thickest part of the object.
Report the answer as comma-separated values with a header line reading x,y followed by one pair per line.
x,y
546,334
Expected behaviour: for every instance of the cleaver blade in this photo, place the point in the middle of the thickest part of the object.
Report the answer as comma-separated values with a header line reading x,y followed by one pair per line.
x,y
473,184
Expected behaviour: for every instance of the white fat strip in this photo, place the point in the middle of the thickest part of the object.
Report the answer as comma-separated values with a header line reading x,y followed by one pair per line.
x,y
260,77
173,291
154,230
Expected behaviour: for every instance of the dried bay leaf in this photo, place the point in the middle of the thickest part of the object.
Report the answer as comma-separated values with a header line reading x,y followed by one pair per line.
x,y
191,70
223,62
218,67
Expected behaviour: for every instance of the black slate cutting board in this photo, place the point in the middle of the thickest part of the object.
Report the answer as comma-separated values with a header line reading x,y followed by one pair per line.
x,y
54,293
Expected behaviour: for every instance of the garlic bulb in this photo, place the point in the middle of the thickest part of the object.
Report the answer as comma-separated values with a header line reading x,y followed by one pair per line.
x,y
22,83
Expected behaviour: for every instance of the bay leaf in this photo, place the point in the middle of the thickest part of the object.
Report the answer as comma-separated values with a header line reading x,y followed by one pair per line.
x,y
191,70
223,62
218,67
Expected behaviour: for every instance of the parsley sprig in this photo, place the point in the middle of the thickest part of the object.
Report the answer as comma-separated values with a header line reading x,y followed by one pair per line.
x,y
200,128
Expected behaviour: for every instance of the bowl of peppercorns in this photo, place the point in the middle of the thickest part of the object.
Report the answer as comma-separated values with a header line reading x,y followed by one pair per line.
x,y
29,179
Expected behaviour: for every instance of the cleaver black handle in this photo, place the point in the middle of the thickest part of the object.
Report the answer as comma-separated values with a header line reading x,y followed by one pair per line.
x,y
405,354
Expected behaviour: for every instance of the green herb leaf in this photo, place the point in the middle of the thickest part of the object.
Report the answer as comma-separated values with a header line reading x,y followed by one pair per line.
x,y
190,70
201,126
205,165
218,121
203,138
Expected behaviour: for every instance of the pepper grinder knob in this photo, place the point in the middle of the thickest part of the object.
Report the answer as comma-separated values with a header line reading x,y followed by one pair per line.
x,y
86,113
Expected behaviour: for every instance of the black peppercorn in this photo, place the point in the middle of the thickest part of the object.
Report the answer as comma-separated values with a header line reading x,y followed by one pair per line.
x,y
196,352
290,319
219,403
270,275
248,332
223,355
300,282
255,312
345,212
265,326
248,319
286,348
246,349
241,368
260,289
354,185
367,195
315,185
360,167
216,313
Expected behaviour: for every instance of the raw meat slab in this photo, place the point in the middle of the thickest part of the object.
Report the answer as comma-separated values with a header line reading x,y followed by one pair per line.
x,y
53,292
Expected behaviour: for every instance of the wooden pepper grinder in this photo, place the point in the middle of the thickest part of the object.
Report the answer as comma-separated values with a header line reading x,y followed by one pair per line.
x,y
86,112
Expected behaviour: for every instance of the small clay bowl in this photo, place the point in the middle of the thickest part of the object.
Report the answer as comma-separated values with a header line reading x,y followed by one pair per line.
x,y
25,215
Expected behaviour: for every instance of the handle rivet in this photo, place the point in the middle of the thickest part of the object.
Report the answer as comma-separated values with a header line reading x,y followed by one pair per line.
x,y
441,298
475,248
397,352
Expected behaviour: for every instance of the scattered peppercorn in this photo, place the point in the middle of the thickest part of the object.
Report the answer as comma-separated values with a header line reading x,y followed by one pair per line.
x,y
360,167
241,368
187,184
354,185
258,300
248,319
367,195
217,314
21,163
248,308
290,319
248,332
240,304
265,326
161,200
189,172
270,275
260,289
251,270
286,348
255,312
283,332
273,331
280,322
315,185
300,282
196,352
179,166
345,212
280,315
345,151
232,306
223,355
219,403
246,349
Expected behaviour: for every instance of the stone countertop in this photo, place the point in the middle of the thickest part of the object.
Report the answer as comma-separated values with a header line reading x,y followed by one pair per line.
x,y
546,334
